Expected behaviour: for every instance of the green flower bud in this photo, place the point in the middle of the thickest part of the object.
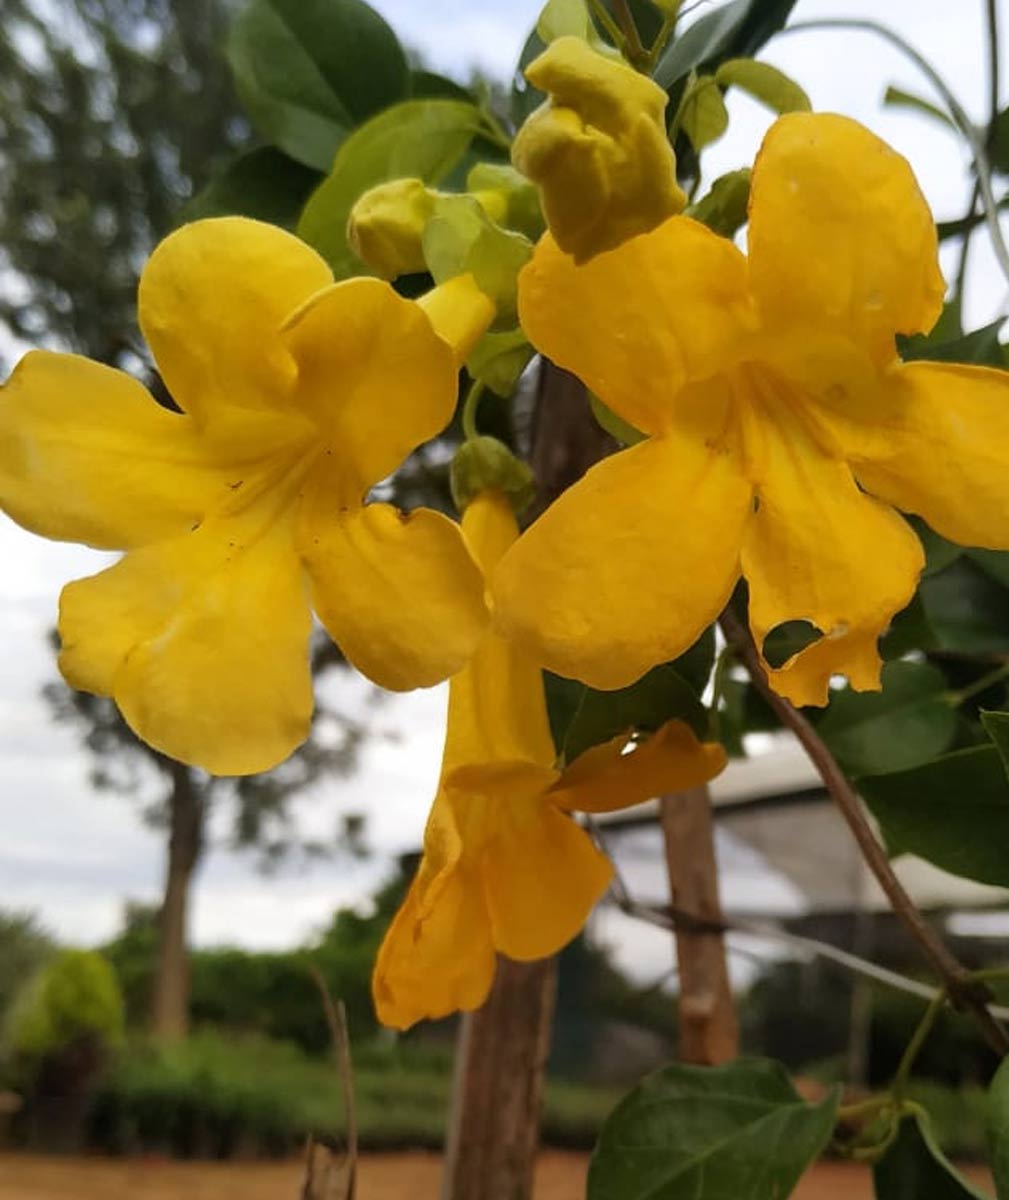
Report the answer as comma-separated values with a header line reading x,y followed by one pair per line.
x,y
484,464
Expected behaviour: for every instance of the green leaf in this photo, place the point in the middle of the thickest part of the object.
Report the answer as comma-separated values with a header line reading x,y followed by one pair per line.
x,y
764,83
615,426
262,183
996,725
308,71
703,116
998,143
967,610
915,1168
563,18
953,811
998,1119
939,552
724,208
423,139
994,563
525,98
461,238
721,1133
981,346
498,359
906,724
661,695
429,85
732,31
694,666
896,97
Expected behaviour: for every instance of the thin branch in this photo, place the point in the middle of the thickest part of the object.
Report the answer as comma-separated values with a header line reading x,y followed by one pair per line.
x,y
991,12
636,51
337,1179
963,992
982,167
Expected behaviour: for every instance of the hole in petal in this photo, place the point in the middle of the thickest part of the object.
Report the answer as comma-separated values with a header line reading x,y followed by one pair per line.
x,y
787,639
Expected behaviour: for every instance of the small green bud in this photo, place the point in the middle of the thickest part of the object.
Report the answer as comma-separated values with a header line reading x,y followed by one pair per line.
x,y
484,464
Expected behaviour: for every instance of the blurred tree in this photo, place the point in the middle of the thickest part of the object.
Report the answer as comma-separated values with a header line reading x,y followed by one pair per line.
x,y
178,799
112,112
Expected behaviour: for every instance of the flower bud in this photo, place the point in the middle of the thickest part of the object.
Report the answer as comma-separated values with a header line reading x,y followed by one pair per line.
x,y
484,464
597,149
386,226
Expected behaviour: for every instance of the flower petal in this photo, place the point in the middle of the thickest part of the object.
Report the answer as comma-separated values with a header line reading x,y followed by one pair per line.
x,y
459,312
542,876
840,234
497,706
399,593
630,564
939,447
212,299
639,322
86,455
437,955
605,779
819,550
375,374
203,642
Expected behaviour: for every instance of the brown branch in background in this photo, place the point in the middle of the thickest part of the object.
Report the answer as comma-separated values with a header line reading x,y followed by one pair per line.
x,y
331,1174
963,992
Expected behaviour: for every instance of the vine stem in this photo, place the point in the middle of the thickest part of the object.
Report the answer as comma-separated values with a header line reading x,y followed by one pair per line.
x,y
636,51
963,992
982,167
470,405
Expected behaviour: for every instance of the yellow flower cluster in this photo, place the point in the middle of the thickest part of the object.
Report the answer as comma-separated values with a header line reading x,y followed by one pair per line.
x,y
781,435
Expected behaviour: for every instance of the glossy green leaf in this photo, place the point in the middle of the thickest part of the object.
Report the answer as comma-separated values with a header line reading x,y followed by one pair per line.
x,y
967,610
703,116
939,551
998,1123
308,71
661,695
262,183
615,426
994,563
998,143
717,1133
461,238
724,209
909,630
764,83
429,85
735,30
694,666
906,724
498,359
953,811
981,347
996,725
896,97
915,1168
419,138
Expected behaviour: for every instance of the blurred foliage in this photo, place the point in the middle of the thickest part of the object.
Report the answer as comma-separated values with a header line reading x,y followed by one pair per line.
x,y
24,947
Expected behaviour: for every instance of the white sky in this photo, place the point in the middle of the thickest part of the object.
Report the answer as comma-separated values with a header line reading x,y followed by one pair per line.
x,y
73,855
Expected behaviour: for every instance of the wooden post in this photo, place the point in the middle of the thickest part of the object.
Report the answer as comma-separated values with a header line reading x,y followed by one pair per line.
x,y
502,1050
709,1032
501,1056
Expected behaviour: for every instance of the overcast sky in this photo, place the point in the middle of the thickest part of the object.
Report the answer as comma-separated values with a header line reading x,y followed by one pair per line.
x,y
73,855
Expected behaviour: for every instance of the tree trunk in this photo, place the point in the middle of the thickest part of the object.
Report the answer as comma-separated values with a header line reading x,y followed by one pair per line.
x,y
708,1030
502,1049
170,1000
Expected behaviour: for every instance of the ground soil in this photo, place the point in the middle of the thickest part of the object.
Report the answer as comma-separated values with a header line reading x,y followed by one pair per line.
x,y
382,1177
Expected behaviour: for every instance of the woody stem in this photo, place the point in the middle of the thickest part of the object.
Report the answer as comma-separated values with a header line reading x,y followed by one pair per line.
x,y
636,51
964,992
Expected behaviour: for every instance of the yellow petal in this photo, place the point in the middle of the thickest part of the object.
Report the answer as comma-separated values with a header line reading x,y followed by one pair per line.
x,y
627,568
399,593
939,447
637,324
542,876
497,706
203,642
821,551
86,455
459,312
605,779
437,955
840,234
212,299
376,377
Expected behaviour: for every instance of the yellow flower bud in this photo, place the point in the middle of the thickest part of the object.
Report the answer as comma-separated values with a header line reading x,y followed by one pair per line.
x,y
386,226
597,149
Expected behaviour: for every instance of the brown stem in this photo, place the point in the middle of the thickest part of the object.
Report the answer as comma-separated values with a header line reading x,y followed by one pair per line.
x,y
636,51
962,991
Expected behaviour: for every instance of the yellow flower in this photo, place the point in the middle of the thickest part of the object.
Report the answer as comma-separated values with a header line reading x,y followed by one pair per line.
x,y
597,149
505,868
245,510
783,430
